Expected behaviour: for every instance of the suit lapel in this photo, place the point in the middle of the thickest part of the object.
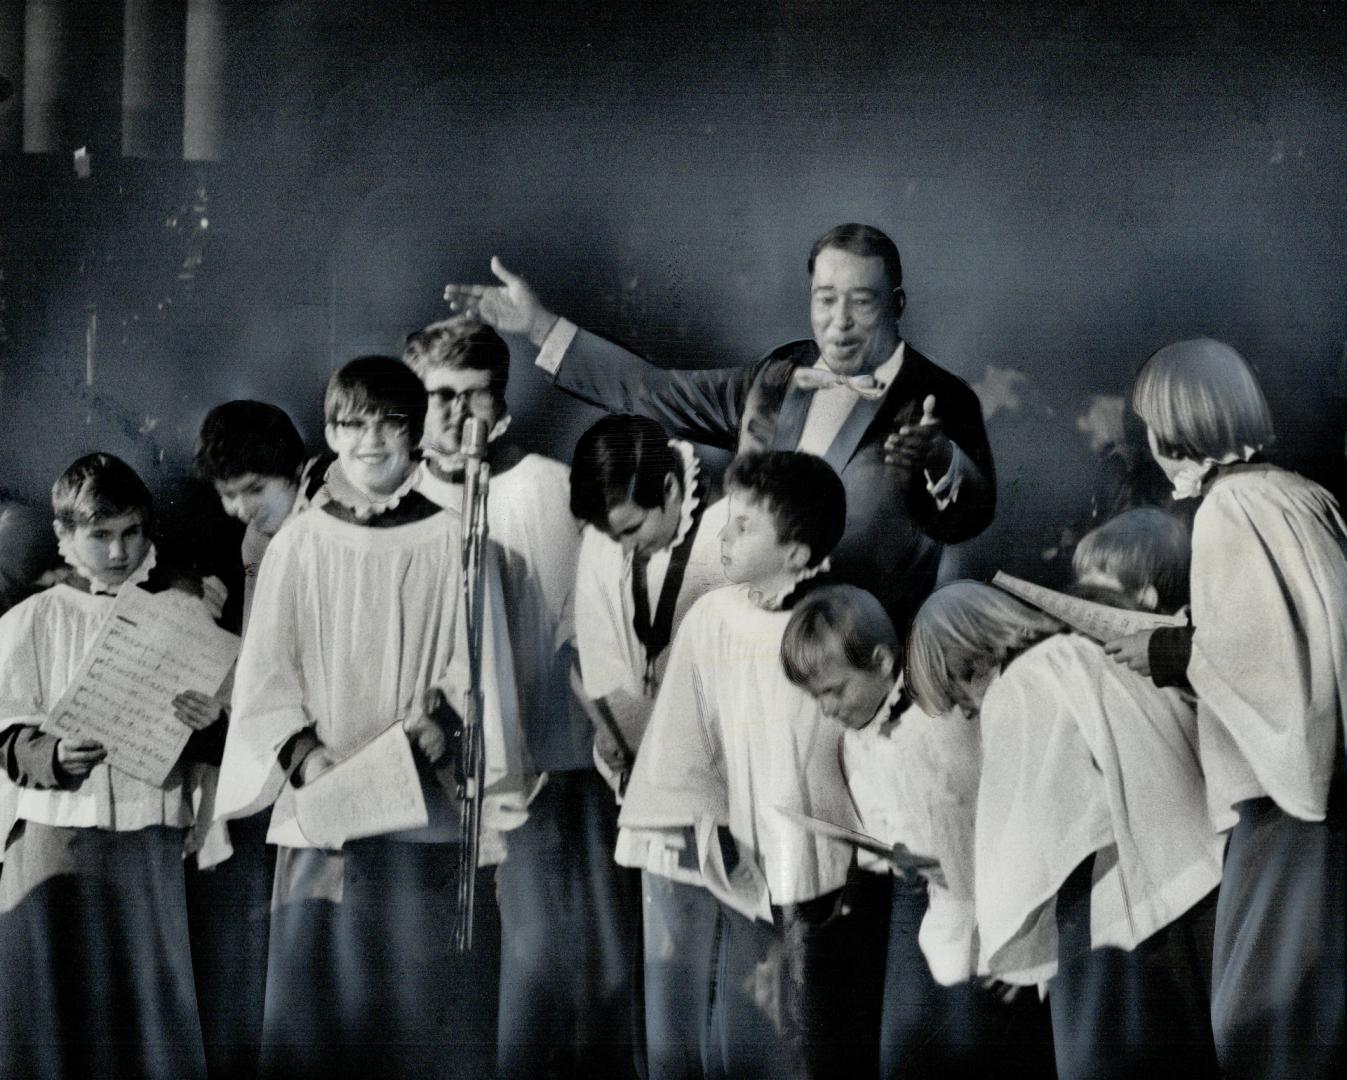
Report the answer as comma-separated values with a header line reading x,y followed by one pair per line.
x,y
853,430
790,421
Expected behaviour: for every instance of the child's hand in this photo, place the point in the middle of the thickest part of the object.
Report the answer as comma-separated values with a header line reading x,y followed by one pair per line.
x,y
435,729
77,757
1133,651
197,710
313,766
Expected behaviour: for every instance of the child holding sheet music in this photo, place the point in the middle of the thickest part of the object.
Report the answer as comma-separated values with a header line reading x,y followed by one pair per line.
x,y
730,743
913,780
1267,657
356,621
1093,845
97,972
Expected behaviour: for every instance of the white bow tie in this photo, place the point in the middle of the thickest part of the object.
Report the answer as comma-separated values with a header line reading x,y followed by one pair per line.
x,y
810,379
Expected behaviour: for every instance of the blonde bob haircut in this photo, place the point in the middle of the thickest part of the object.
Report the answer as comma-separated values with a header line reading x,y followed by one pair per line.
x,y
963,631
1202,401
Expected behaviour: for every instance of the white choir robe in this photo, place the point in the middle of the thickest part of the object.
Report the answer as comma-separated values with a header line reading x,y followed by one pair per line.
x,y
1269,666
350,626
1269,656
1082,755
731,741
914,783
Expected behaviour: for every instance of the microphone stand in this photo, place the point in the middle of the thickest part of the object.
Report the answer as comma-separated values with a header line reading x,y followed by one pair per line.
x,y
476,479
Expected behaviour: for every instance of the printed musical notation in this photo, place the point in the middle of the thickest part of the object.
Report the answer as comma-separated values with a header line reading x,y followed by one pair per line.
x,y
1097,621
374,791
152,647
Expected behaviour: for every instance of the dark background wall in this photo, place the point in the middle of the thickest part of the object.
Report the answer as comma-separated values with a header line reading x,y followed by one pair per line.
x,y
1071,185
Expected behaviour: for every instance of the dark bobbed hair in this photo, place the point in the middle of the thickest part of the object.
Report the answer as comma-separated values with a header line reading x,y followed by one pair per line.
x,y
621,458
831,621
1202,400
1140,547
242,437
377,386
459,343
865,241
99,486
802,493
962,631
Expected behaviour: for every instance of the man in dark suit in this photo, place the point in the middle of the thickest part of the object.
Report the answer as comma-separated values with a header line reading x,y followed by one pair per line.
x,y
905,435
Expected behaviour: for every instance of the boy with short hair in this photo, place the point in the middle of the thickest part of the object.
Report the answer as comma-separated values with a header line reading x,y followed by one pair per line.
x,y
913,780
356,623
731,744
648,551
93,917
569,915
251,454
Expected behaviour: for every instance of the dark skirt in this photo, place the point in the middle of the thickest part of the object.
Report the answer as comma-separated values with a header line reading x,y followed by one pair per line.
x,y
712,987
833,980
95,962
570,938
1118,1014
952,1032
229,914
1278,968
362,976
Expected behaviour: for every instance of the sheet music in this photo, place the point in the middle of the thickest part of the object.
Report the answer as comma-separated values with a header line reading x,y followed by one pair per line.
x,y
151,648
374,791
1098,621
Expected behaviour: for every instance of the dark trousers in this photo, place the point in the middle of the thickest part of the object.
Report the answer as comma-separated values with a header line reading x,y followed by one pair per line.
x,y
1118,1014
1279,969
960,1032
833,980
570,938
712,987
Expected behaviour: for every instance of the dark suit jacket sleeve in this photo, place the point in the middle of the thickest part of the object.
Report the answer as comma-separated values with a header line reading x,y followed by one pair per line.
x,y
960,415
702,405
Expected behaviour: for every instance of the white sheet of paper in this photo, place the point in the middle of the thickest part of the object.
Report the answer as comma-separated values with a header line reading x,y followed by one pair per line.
x,y
744,889
152,647
1098,621
374,791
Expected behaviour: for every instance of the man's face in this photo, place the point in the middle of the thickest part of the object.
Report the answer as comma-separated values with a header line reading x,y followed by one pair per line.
x,y
375,451
851,696
647,529
110,548
750,549
263,502
453,395
851,308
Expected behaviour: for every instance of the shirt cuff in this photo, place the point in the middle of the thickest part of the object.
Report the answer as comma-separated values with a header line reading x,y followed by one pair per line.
x,y
946,490
554,346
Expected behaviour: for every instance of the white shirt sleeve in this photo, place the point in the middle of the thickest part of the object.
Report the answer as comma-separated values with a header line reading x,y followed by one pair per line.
x,y
554,346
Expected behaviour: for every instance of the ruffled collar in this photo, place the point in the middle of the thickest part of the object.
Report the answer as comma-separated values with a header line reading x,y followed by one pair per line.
x,y
337,488
775,601
96,585
692,497
1192,476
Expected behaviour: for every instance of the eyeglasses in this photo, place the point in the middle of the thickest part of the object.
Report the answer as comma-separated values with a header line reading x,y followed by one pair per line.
x,y
478,398
385,425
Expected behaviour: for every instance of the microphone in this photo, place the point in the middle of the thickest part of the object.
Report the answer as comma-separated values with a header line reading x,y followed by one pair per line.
x,y
472,443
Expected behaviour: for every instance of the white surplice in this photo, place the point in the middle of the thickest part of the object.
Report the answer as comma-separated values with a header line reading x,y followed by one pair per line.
x,y
1082,755
1269,659
731,741
350,626
914,782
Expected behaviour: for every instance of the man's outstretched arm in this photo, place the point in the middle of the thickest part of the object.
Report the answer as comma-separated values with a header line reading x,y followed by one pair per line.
x,y
704,405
